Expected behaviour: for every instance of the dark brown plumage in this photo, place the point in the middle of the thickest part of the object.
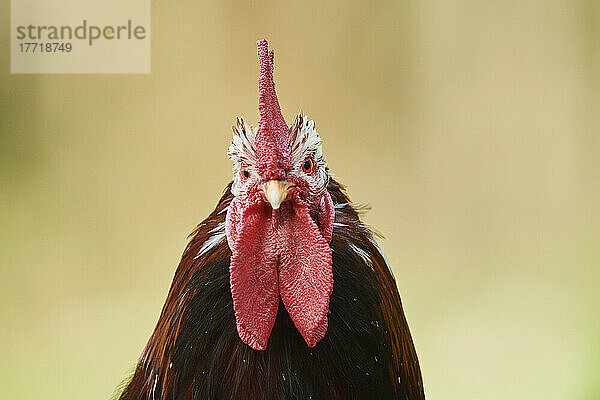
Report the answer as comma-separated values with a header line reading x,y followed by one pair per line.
x,y
196,353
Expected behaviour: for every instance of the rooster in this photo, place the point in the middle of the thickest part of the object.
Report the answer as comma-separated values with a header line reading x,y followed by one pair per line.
x,y
282,292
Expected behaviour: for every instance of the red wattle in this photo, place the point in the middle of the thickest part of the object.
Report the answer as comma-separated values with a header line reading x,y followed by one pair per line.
x,y
305,275
277,254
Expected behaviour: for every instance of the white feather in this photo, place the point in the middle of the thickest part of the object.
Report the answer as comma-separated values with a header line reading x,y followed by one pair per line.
x,y
217,237
362,254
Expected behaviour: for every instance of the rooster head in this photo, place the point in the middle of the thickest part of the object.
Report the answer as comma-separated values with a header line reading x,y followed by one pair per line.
x,y
280,221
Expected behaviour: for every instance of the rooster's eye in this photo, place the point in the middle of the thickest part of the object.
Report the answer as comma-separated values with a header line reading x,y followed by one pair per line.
x,y
308,165
245,174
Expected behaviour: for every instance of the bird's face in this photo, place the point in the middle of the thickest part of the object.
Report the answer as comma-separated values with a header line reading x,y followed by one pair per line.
x,y
276,175
279,222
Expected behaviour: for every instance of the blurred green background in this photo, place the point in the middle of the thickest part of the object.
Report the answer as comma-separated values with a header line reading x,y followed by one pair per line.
x,y
471,127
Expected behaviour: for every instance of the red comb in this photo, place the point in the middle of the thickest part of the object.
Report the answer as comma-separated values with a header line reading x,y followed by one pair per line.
x,y
272,140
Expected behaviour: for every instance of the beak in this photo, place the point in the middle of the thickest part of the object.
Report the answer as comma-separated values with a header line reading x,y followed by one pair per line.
x,y
276,192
